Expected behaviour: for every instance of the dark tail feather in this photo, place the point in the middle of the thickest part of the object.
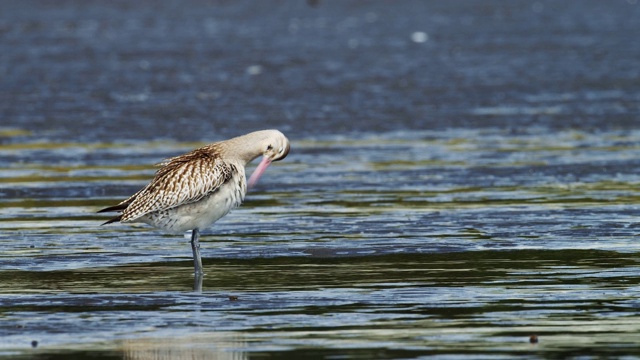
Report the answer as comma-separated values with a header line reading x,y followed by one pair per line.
x,y
118,207
115,219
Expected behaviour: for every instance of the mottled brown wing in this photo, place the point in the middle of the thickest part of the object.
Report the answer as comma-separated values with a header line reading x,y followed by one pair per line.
x,y
182,180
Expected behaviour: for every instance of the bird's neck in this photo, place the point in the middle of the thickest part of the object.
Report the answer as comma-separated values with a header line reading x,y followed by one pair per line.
x,y
242,149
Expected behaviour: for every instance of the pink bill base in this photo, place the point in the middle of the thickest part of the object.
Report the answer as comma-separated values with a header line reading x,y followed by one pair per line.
x,y
264,164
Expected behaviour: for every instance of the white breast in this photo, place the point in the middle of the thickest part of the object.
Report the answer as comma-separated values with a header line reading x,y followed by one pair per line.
x,y
200,214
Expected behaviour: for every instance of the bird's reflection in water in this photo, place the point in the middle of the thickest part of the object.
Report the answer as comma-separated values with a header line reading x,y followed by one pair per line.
x,y
215,345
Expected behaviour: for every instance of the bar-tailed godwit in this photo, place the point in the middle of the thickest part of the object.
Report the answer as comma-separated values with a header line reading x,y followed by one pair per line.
x,y
192,191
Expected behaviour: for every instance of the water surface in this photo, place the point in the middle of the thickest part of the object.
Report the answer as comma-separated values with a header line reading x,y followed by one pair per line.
x,y
462,177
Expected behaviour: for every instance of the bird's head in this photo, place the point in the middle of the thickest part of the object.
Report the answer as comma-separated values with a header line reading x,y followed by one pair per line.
x,y
275,147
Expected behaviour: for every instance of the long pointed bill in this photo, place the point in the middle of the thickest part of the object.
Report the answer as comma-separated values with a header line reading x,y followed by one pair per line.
x,y
264,164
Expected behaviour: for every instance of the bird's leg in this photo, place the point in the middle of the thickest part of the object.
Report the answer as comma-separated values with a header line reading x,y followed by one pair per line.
x,y
195,246
197,283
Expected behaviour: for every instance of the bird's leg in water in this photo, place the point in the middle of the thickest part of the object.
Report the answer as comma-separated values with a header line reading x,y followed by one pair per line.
x,y
195,246
197,283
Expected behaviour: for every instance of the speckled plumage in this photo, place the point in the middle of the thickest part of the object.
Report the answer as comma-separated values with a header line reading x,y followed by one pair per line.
x,y
192,191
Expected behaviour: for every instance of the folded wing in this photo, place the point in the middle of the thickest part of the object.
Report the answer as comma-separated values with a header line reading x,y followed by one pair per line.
x,y
182,180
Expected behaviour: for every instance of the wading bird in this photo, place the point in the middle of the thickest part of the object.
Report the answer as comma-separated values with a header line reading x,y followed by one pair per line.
x,y
192,191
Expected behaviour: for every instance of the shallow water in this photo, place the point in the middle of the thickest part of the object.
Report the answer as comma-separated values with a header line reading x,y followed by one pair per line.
x,y
437,202
356,258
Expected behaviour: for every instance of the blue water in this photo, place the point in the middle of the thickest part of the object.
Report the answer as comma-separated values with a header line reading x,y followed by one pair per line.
x,y
463,176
